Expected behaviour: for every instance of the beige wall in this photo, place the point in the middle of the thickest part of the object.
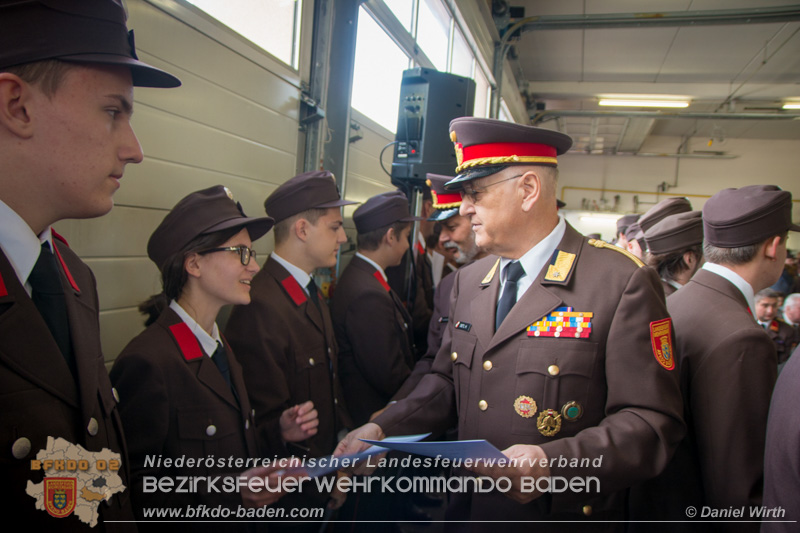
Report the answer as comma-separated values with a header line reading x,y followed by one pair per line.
x,y
759,162
233,122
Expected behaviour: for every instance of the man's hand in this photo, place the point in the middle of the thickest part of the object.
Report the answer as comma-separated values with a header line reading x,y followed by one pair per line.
x,y
351,444
526,464
299,422
274,473
337,496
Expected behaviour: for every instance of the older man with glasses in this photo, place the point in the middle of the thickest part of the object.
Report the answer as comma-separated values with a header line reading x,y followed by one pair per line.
x,y
558,348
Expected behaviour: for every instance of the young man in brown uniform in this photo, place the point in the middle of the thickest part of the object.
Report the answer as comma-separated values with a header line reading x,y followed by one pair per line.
x,y
727,361
581,363
67,72
284,339
373,327
675,248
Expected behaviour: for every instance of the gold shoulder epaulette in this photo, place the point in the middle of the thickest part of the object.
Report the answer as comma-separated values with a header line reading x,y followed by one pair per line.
x,y
603,244
490,274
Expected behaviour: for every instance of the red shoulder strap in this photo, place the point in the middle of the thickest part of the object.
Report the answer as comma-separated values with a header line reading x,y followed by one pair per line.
x,y
186,340
71,280
382,281
294,290
3,290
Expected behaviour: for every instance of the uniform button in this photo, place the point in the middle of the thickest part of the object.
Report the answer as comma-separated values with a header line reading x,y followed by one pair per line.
x,y
93,427
311,361
487,365
21,448
115,394
246,424
587,510
483,405
454,356
329,350
405,325
553,369
336,401
211,430
253,413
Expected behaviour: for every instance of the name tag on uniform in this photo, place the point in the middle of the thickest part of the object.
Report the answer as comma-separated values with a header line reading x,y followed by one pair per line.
x,y
563,322
465,326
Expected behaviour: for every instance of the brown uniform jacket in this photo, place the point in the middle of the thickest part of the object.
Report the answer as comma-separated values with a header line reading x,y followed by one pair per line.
x,y
285,344
668,288
631,404
785,338
174,402
375,339
728,367
782,460
40,398
439,319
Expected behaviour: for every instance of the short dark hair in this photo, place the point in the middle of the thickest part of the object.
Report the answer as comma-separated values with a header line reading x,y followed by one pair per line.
x,y
371,240
735,256
767,293
282,229
671,264
48,74
174,276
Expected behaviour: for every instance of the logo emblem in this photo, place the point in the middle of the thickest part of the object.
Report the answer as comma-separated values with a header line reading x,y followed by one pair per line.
x,y
525,406
59,495
661,338
549,422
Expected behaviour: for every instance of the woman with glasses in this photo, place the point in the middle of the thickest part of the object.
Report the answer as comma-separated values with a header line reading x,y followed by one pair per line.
x,y
181,393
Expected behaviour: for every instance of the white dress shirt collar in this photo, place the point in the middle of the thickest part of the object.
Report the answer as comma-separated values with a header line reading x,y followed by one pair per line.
x,y
297,273
534,259
20,245
208,342
744,287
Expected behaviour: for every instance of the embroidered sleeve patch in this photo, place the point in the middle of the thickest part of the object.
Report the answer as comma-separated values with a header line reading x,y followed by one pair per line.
x,y
661,338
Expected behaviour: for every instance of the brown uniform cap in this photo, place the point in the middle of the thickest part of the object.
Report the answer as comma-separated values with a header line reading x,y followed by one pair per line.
x,y
445,203
84,31
382,210
201,213
310,190
663,209
634,232
675,233
625,221
752,214
485,146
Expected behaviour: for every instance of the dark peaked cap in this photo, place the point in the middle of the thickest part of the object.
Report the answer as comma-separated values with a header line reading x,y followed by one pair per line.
x,y
445,203
200,213
83,31
485,146
663,209
382,210
675,233
625,221
749,215
309,190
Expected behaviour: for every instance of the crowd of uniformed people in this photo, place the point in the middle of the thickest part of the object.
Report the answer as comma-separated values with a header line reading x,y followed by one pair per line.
x,y
654,356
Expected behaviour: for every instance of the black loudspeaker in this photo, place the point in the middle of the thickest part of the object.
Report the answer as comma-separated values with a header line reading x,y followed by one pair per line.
x,y
429,100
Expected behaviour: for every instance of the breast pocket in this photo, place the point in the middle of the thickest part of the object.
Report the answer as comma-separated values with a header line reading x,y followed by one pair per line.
x,y
556,374
204,431
462,351
312,379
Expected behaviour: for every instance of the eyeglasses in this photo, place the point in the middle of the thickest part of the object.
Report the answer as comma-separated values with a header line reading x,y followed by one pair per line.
x,y
245,253
473,193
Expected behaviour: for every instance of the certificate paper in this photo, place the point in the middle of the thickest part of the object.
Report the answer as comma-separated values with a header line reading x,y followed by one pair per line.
x,y
454,449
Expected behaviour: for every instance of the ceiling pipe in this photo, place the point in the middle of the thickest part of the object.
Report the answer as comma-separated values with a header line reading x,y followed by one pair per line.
x,y
632,20
549,115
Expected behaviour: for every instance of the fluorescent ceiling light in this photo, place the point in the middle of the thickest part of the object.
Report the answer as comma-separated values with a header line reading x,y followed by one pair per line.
x,y
616,102
791,105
